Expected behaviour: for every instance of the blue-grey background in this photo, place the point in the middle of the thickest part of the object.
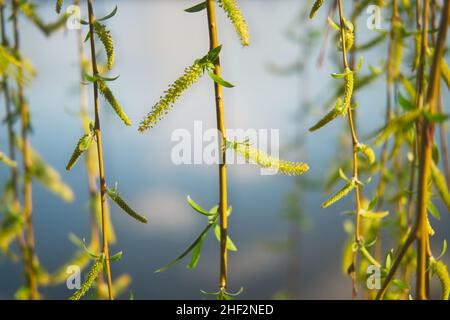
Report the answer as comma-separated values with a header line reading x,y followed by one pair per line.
x,y
155,40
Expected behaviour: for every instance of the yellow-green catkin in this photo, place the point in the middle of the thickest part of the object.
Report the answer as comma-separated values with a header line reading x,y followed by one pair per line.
x,y
91,277
265,161
349,39
234,13
441,271
315,8
348,90
114,195
330,116
367,151
108,95
397,124
340,194
105,37
445,72
59,4
80,259
6,160
83,144
440,185
47,175
190,76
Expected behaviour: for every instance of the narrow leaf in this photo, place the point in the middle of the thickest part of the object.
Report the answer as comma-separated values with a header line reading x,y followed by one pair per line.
x,y
219,80
230,244
189,249
197,8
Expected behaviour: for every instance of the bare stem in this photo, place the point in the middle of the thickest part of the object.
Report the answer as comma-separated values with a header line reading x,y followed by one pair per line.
x,y
223,206
98,134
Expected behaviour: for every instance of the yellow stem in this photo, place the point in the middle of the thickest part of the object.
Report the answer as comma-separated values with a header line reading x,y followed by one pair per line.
x,y
98,134
223,206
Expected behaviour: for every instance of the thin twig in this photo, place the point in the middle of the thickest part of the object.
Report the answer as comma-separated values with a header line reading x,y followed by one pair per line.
x,y
220,115
98,134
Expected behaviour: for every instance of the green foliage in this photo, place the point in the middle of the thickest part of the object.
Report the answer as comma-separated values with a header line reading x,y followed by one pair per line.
x,y
266,161
95,270
196,246
235,15
198,7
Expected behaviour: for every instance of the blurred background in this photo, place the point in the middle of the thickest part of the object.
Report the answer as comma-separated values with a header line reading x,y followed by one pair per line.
x,y
154,41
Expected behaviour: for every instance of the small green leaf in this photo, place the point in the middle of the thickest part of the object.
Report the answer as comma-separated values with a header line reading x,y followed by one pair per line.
x,y
230,244
200,238
197,8
110,15
433,210
443,251
405,103
116,257
196,253
373,203
214,54
198,208
436,117
219,80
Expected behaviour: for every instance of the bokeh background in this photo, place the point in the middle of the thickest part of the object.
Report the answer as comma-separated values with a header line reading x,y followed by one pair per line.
x,y
155,40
